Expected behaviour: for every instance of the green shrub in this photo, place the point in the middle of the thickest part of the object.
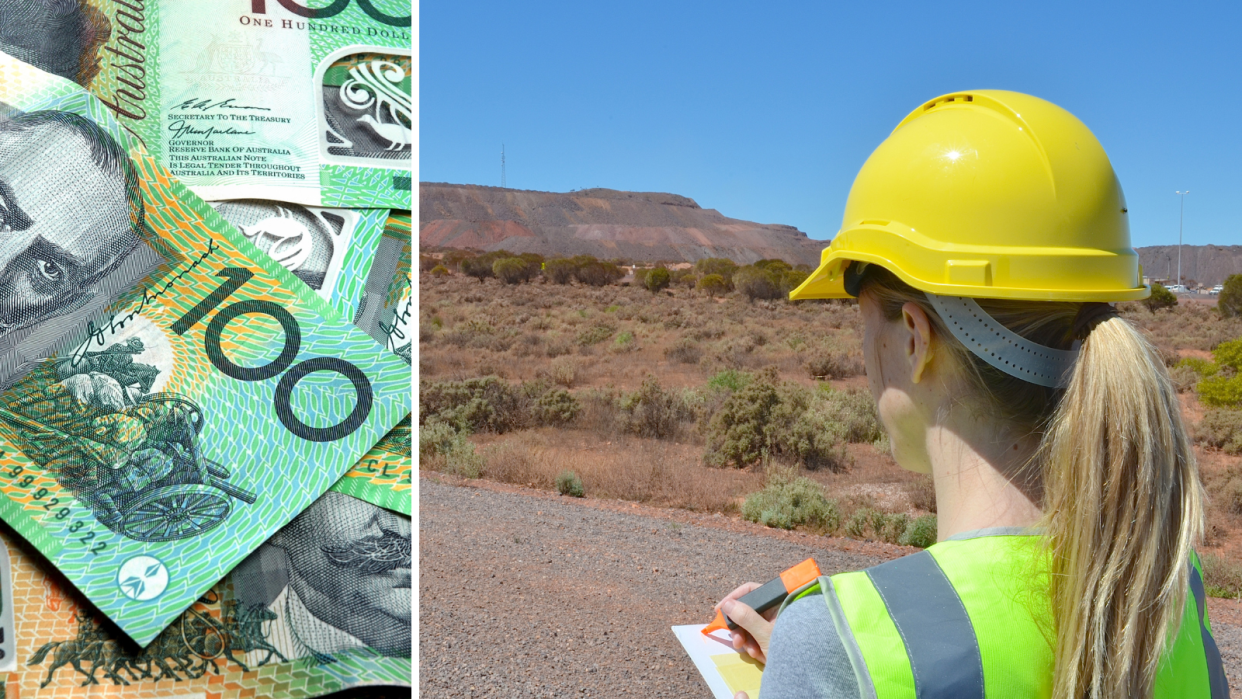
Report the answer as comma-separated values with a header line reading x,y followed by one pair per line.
x,y
509,270
595,334
556,407
814,439
598,273
439,271
1229,354
729,379
1229,303
569,484
652,411
624,341
447,446
491,404
826,363
743,431
757,283
787,502
712,285
559,271
1160,298
481,267
657,279
791,279
765,418
920,532
894,527
854,410
773,265
487,404
859,521
1221,577
716,266
1202,367
1220,391
1221,429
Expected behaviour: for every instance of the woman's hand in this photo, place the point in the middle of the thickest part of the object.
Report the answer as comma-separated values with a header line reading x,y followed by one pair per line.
x,y
756,630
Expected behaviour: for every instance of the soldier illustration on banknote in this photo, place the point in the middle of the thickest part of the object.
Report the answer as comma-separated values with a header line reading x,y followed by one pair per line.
x,y
132,455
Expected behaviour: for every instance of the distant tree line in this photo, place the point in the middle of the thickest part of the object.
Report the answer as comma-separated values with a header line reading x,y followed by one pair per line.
x,y
714,276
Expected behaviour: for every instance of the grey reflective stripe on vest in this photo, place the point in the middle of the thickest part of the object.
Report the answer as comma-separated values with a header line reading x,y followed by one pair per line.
x,y
1216,673
940,640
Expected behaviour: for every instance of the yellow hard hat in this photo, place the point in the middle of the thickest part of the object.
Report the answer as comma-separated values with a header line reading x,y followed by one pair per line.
x,y
988,194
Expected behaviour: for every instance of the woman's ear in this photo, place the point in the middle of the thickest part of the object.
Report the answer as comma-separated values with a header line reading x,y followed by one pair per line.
x,y
917,343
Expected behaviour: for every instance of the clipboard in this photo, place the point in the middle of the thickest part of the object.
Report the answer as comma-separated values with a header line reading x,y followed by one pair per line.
x,y
725,670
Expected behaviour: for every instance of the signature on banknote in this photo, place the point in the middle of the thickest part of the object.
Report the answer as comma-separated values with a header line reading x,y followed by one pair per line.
x,y
182,128
206,105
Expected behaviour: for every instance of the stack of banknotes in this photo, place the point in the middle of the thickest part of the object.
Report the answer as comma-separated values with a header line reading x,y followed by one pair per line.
x,y
205,391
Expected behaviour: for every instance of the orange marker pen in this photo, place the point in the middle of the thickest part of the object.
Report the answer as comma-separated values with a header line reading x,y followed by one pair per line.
x,y
770,593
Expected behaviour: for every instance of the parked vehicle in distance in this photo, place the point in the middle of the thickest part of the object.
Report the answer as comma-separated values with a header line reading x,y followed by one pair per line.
x,y
1216,289
1179,289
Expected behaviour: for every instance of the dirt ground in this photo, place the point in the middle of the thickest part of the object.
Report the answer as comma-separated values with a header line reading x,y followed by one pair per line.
x,y
524,593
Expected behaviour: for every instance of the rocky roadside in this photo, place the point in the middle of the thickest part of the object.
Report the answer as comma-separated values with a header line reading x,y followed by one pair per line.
x,y
523,593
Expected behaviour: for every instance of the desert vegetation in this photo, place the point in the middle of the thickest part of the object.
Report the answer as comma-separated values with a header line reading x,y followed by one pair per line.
x,y
700,387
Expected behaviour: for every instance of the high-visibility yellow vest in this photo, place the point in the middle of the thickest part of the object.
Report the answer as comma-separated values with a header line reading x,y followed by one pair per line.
x,y
971,619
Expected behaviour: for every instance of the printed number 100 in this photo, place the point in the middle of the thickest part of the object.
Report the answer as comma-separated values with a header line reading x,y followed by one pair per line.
x,y
235,278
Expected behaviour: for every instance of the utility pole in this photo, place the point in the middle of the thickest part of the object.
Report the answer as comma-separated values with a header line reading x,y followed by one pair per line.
x,y
502,168
1180,217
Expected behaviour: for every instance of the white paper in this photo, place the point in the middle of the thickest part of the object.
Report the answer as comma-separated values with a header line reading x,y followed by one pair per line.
x,y
701,650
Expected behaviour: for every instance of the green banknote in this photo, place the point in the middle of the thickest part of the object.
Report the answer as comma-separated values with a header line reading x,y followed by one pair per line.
x,y
359,260
303,101
324,605
383,476
173,395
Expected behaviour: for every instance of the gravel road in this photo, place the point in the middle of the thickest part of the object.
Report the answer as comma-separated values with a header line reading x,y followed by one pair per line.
x,y
526,594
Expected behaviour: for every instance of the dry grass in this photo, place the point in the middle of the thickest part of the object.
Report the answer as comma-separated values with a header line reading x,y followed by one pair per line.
x,y
683,337
625,468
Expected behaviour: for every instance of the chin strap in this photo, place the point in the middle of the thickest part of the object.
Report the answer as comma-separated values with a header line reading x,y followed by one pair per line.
x,y
1002,347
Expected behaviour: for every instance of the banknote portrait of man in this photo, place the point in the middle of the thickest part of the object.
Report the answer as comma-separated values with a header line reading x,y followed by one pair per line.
x,y
70,213
62,37
340,577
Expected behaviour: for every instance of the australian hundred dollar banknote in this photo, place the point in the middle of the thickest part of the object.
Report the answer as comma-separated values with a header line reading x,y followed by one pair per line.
x,y
359,261
294,100
323,605
172,395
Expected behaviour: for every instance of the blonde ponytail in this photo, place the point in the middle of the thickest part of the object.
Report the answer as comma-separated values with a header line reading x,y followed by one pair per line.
x,y
1122,500
1123,507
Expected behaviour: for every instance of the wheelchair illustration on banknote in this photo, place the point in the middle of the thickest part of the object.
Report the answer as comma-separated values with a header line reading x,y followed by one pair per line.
x,y
132,456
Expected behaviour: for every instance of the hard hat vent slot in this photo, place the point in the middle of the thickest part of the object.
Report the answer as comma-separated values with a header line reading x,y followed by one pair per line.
x,y
873,222
947,100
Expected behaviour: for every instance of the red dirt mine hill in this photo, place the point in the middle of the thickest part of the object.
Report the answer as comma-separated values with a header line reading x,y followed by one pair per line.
x,y
606,223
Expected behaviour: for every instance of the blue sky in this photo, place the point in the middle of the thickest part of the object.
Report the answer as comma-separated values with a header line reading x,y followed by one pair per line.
x,y
765,111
